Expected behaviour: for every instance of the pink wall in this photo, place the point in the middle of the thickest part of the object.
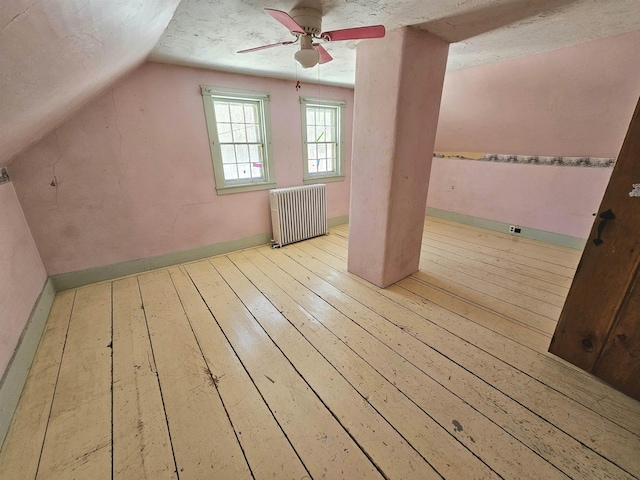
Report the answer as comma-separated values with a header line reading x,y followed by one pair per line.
x,y
555,199
22,274
576,101
134,171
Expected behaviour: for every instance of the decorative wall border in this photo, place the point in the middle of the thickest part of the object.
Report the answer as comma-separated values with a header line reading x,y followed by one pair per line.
x,y
593,162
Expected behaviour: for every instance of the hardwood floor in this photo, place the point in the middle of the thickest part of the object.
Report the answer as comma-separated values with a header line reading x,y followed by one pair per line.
x,y
280,364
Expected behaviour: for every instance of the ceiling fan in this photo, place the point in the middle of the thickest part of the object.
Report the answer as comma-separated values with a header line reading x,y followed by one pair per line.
x,y
306,25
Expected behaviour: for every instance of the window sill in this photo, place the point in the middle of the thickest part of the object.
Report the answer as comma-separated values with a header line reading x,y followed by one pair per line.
x,y
323,179
248,187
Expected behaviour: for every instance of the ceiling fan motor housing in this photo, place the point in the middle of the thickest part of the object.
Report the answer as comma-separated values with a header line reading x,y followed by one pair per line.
x,y
309,19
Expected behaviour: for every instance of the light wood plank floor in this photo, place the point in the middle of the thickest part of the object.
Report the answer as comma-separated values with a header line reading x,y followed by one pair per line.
x,y
280,364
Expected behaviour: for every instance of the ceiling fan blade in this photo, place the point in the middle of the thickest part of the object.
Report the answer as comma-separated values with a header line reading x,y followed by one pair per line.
x,y
265,46
374,31
285,19
324,55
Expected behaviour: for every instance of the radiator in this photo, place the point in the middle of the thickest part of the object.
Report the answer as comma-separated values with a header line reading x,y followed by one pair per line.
x,y
298,213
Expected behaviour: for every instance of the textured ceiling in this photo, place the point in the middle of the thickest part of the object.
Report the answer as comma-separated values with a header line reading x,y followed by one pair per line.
x,y
207,33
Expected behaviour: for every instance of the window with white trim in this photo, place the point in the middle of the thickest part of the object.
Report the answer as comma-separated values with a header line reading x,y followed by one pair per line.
x,y
240,139
322,132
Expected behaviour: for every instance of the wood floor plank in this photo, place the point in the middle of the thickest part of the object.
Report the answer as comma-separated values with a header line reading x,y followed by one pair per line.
x,y
496,279
325,447
448,456
337,245
141,443
444,374
248,412
534,361
204,442
499,395
21,449
502,324
482,284
561,271
346,384
496,271
454,315
78,439
490,289
471,294
495,259
483,437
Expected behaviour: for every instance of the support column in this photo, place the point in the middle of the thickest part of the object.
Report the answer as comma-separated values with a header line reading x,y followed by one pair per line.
x,y
397,101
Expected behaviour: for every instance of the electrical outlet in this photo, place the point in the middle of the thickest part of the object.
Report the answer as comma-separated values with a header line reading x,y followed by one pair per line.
x,y
512,228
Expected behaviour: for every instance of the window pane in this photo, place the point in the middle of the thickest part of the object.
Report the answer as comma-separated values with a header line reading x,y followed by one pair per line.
x,y
319,116
242,153
230,172
330,135
237,112
322,150
222,111
239,134
311,116
313,166
322,166
250,113
252,133
224,132
228,153
330,116
311,134
321,134
312,151
330,168
331,150
256,170
255,153
244,170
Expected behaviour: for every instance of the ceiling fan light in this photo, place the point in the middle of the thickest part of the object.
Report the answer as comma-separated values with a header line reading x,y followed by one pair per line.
x,y
307,57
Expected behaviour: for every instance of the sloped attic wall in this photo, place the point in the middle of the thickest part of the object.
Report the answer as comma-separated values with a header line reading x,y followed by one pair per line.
x,y
56,55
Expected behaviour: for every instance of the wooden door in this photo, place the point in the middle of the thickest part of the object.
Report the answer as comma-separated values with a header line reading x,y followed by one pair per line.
x,y
599,328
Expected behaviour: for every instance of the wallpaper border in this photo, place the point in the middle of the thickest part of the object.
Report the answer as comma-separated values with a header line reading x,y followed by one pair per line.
x,y
589,162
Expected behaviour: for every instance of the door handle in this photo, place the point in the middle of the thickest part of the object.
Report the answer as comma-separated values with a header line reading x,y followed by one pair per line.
x,y
605,216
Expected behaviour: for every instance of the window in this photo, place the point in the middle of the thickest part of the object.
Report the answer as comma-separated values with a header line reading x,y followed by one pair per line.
x,y
322,123
240,139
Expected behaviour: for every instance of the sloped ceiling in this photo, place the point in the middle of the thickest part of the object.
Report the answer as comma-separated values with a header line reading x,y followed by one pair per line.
x,y
55,55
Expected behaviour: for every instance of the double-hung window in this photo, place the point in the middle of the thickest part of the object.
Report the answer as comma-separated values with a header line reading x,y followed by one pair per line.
x,y
322,132
240,139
